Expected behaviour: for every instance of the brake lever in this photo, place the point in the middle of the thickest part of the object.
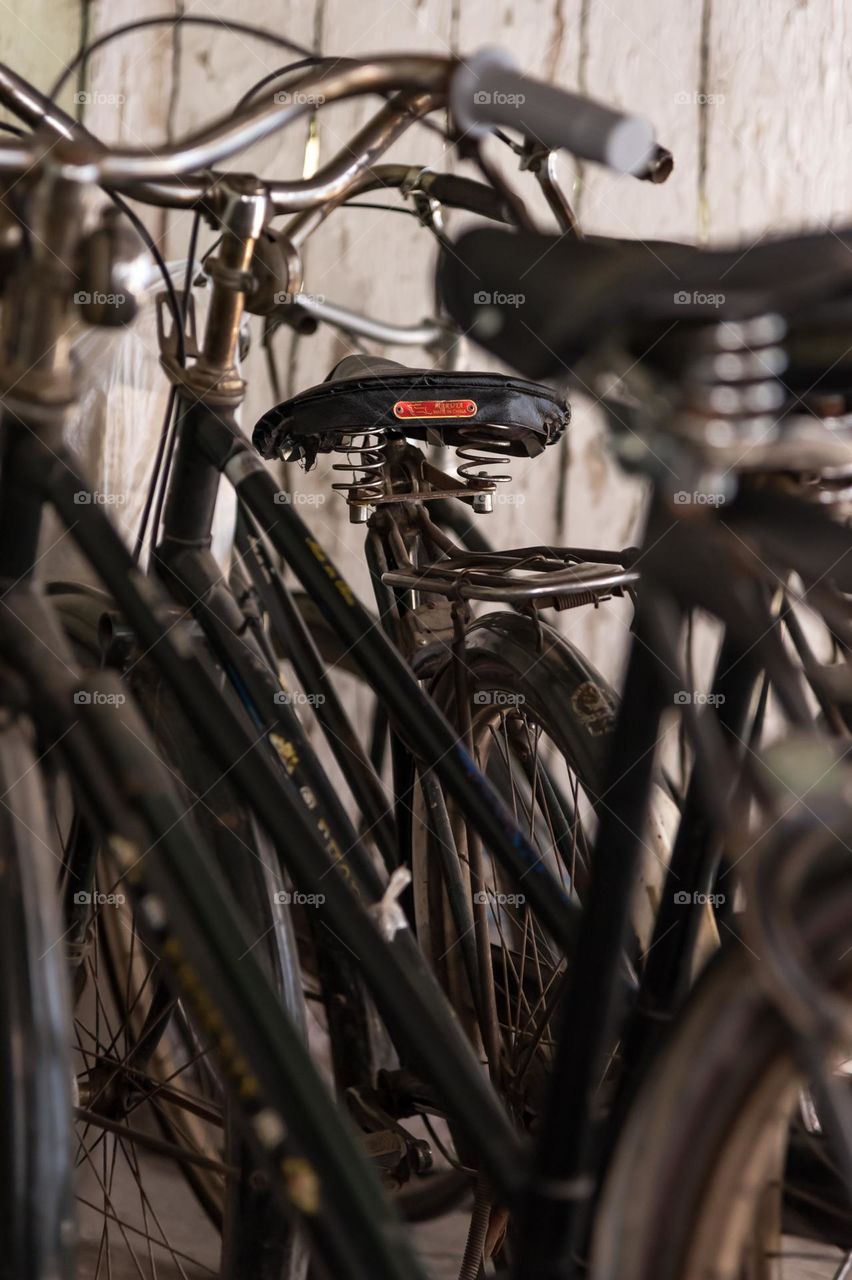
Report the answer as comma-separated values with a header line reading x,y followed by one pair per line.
x,y
542,164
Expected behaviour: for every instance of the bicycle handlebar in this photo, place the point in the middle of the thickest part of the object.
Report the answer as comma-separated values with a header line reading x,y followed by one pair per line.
x,y
426,333
448,189
487,90
555,117
122,167
34,108
457,192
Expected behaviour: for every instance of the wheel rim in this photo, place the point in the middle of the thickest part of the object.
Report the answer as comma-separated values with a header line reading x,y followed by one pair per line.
x,y
151,1168
548,802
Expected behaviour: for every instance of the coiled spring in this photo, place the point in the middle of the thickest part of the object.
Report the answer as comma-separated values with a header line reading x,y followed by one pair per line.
x,y
479,455
365,459
735,383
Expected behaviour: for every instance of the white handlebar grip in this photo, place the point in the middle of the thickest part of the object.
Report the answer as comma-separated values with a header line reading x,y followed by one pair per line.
x,y
487,90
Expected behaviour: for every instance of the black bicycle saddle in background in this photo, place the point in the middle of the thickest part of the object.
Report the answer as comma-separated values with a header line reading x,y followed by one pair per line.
x,y
542,302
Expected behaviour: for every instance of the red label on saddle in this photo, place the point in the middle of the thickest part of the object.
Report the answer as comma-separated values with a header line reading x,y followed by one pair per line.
x,y
434,408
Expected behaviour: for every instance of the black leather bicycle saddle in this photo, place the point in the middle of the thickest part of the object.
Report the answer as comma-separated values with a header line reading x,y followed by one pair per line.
x,y
368,393
567,295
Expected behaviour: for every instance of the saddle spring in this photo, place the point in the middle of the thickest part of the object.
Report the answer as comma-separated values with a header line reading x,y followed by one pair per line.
x,y
479,456
480,453
735,382
364,455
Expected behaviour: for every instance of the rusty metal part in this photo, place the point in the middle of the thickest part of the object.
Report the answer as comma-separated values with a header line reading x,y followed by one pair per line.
x,y
276,274
110,261
396,1152
213,376
397,473
570,586
36,368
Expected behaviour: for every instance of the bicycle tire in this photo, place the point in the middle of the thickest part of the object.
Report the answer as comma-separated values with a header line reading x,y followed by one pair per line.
x,y
358,1043
525,663
254,1240
510,653
704,1143
36,1151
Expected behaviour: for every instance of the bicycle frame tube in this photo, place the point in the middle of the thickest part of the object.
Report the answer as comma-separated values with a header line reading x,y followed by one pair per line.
x,y
694,861
190,572
183,558
293,633
693,868
194,578
563,1180
402,764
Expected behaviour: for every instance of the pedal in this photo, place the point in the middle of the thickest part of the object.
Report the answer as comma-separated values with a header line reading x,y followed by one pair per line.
x,y
388,1152
397,1154
405,1094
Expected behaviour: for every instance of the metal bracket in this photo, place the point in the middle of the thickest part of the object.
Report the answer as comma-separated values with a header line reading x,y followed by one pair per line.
x,y
167,338
225,391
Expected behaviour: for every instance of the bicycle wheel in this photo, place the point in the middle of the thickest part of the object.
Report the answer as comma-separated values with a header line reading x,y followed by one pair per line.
x,y
538,718
164,1178
36,1153
698,1184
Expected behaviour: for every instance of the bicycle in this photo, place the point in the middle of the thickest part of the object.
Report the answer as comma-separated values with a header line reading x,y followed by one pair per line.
x,y
184,914
552,583
410,558
192,578
705,392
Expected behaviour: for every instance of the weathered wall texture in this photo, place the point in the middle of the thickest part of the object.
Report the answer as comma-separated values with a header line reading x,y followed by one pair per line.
x,y
754,99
